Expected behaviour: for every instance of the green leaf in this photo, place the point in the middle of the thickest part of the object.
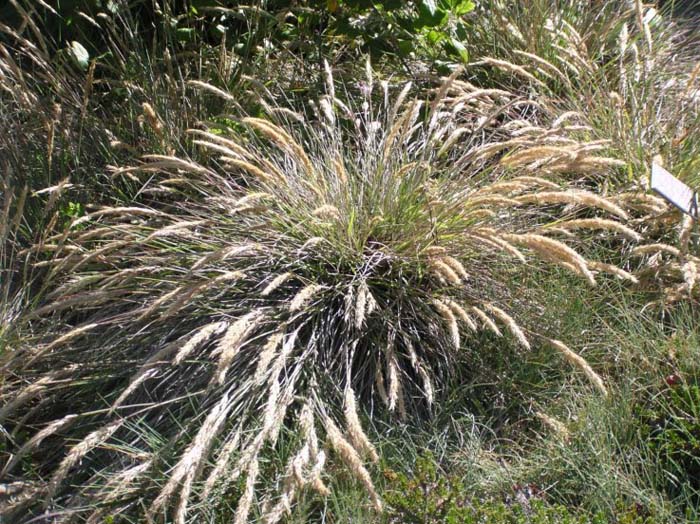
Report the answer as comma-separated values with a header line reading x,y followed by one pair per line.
x,y
430,5
460,31
462,7
434,36
74,209
428,19
406,47
112,7
460,50
79,54
185,34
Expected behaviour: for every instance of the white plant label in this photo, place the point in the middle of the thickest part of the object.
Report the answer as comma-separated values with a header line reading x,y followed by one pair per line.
x,y
673,190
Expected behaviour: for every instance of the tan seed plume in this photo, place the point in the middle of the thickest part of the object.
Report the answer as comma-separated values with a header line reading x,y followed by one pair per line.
x,y
303,297
172,162
689,269
487,321
456,266
510,324
327,212
392,369
656,248
120,484
601,223
191,459
235,336
573,197
212,138
311,243
445,272
77,453
510,67
461,313
224,254
152,118
380,385
434,251
557,427
267,354
276,283
128,212
222,464
31,391
200,337
352,460
250,168
141,377
451,321
358,438
204,86
686,228
281,138
613,270
37,439
245,503
315,475
365,304
420,369
581,363
491,240
553,250
63,339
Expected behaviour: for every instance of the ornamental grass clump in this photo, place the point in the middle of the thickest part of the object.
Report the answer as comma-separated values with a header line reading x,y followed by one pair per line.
x,y
309,269
614,89
622,77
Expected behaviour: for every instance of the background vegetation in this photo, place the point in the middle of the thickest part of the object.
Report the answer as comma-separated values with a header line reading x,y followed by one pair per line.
x,y
348,261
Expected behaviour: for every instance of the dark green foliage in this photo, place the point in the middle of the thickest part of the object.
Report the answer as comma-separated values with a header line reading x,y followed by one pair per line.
x,y
432,496
430,30
671,425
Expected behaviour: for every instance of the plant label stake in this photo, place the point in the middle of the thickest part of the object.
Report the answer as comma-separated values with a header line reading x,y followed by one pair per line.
x,y
675,191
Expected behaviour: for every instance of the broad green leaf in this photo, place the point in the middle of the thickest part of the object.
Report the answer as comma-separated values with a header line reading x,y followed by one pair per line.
x,y
428,19
460,50
462,7
434,36
79,54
